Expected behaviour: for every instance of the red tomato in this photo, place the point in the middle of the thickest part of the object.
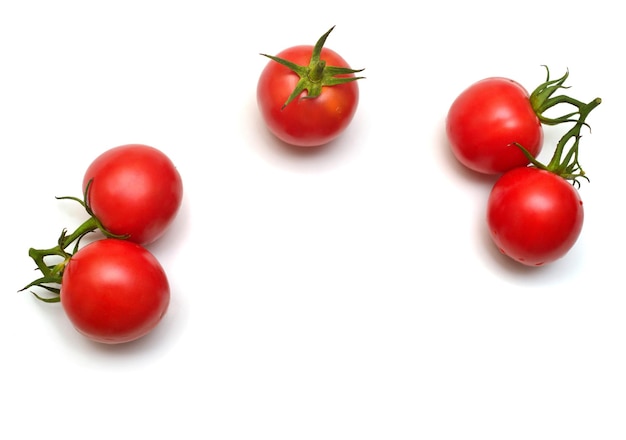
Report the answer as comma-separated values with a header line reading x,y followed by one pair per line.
x,y
305,121
114,291
486,119
534,216
135,191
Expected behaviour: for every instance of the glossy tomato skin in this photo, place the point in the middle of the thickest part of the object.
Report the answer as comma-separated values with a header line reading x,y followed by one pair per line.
x,y
534,216
114,291
135,190
305,122
486,118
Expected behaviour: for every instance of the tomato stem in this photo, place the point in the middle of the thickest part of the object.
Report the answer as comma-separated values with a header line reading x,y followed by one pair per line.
x,y
542,100
316,71
38,255
52,275
564,162
317,74
569,168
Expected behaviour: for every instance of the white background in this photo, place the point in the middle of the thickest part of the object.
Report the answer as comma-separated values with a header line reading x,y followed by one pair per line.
x,y
352,293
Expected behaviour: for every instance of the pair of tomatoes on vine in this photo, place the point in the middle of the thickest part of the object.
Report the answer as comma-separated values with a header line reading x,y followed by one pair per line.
x,y
113,290
534,211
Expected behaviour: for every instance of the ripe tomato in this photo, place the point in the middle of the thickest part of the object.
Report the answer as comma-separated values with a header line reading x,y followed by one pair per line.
x,y
534,216
114,291
135,191
486,119
322,109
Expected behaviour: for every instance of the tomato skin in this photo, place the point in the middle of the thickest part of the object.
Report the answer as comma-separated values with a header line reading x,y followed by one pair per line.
x,y
136,190
534,216
305,122
114,291
486,118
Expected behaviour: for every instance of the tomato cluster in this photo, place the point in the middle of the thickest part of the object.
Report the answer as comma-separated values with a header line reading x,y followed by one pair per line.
x,y
534,211
113,290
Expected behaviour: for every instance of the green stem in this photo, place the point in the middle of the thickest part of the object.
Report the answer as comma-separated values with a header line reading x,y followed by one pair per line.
x,y
54,274
564,161
542,100
39,255
569,167
316,74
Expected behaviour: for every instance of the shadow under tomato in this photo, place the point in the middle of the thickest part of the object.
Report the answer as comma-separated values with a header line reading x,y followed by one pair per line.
x,y
153,342
315,155
298,151
261,135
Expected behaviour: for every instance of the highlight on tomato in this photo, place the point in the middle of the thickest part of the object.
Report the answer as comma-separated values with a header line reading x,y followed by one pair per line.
x,y
535,213
308,95
495,113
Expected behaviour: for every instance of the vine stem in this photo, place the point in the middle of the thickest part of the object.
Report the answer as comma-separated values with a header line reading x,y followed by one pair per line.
x,y
542,100
556,164
52,275
39,255
567,167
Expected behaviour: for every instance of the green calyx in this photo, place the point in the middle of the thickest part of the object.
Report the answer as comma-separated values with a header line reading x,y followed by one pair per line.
x,y
52,274
564,161
317,74
542,100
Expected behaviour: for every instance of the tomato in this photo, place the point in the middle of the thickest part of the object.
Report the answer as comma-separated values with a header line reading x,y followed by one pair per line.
x,y
486,119
534,215
134,191
305,122
114,291
321,109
